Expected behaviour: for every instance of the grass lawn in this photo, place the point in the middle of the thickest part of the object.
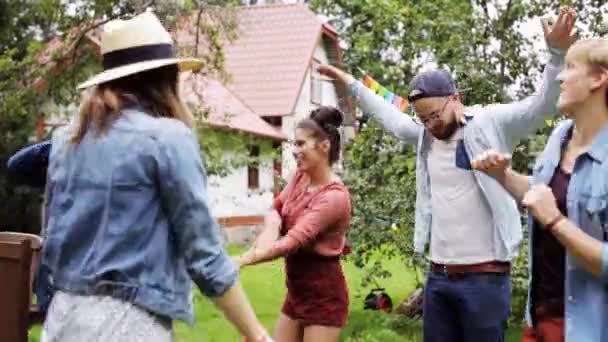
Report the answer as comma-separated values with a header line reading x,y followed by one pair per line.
x,y
265,287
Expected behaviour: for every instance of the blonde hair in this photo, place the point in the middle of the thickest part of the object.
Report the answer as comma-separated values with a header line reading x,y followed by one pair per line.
x,y
156,91
593,52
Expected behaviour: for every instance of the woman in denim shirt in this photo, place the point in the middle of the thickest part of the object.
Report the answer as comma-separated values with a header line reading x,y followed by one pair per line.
x,y
128,227
575,212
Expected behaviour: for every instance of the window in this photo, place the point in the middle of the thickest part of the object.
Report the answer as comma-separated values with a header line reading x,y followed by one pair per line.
x,y
316,85
253,169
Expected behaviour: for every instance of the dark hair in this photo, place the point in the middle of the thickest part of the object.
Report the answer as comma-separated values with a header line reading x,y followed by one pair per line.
x,y
324,123
156,90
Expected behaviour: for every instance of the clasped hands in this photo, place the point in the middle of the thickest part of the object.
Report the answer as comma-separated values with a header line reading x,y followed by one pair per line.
x,y
539,198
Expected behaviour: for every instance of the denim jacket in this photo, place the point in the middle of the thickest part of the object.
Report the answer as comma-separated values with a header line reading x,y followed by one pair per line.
x,y
499,127
127,216
586,295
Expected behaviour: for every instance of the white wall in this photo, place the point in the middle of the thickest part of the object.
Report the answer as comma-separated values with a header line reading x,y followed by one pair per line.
x,y
230,195
303,108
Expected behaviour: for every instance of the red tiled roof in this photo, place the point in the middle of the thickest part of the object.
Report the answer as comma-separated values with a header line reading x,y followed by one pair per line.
x,y
226,110
269,60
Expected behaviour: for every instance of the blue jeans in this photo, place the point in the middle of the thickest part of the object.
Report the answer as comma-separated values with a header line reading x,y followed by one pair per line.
x,y
466,308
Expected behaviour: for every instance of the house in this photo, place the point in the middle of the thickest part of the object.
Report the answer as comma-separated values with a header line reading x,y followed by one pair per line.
x,y
242,197
273,86
272,66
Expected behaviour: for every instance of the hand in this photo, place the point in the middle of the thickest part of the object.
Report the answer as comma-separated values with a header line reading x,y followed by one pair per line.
x,y
246,258
333,72
562,34
541,203
492,163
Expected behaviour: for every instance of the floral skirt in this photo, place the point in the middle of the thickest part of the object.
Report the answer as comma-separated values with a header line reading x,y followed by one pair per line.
x,y
75,318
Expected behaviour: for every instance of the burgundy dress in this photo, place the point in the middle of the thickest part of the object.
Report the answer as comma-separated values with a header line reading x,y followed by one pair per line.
x,y
314,237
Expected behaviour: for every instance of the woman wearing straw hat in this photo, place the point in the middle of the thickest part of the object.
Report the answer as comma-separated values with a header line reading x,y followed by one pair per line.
x,y
127,222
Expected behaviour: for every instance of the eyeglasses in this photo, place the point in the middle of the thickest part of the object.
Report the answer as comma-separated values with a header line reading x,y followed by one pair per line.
x,y
431,117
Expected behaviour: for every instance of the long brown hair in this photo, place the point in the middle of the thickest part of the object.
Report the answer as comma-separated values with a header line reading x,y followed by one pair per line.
x,y
155,90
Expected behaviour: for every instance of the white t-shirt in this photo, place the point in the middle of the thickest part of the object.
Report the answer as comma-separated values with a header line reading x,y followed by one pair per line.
x,y
462,228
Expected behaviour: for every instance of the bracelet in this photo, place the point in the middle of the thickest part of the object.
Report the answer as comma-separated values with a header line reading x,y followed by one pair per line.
x,y
551,225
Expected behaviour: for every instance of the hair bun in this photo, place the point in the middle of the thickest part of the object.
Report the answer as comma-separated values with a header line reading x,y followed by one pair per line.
x,y
327,116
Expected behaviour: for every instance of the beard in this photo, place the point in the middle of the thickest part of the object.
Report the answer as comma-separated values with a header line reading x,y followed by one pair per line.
x,y
447,132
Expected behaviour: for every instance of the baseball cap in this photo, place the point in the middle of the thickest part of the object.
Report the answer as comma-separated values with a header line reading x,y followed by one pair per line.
x,y
434,83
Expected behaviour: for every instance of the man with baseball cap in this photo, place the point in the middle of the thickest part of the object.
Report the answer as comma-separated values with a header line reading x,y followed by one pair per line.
x,y
473,224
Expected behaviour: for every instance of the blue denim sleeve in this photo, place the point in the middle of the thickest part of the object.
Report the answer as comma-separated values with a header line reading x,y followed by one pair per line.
x,y
29,165
183,186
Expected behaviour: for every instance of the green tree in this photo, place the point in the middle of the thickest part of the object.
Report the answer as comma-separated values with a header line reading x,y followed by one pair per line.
x,y
481,43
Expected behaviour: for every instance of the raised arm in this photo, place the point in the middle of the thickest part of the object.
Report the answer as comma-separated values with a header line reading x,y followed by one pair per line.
x,y
183,187
518,119
390,118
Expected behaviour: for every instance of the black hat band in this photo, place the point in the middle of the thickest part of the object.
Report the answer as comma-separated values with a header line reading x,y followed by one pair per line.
x,y
118,58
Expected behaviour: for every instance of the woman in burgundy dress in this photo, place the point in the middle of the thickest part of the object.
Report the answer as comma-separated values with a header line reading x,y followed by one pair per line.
x,y
312,216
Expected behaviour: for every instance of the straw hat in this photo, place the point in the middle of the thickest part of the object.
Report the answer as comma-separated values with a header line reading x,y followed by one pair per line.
x,y
135,45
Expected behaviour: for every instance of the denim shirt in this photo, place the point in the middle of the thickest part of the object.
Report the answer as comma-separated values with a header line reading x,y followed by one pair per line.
x,y
127,216
499,127
586,295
